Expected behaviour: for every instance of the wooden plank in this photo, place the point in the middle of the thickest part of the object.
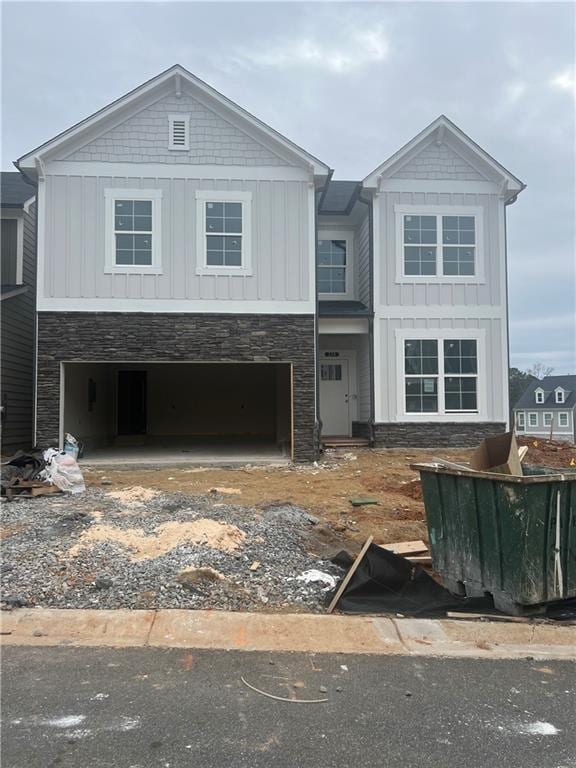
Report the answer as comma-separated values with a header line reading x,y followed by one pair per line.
x,y
406,547
351,572
421,559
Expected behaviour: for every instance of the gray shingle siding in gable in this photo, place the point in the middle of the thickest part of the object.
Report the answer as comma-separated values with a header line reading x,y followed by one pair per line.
x,y
143,138
438,162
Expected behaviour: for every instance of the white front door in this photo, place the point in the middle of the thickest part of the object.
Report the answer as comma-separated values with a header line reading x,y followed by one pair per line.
x,y
335,396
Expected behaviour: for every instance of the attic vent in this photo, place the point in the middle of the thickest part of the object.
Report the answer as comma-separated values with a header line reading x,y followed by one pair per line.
x,y
179,132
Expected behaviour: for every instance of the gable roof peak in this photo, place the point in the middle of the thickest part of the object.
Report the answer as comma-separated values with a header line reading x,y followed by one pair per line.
x,y
437,132
28,163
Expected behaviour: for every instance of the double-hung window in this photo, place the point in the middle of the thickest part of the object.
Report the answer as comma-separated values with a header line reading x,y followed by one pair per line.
x,y
334,267
563,419
441,376
532,419
435,245
223,221
133,230
521,420
547,419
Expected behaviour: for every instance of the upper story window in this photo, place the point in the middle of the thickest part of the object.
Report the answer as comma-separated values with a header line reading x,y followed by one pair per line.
x,y
560,395
334,267
179,132
436,243
539,395
439,245
441,376
224,227
11,249
133,230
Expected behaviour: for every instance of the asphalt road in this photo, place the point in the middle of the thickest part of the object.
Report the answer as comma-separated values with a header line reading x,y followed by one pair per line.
x,y
148,708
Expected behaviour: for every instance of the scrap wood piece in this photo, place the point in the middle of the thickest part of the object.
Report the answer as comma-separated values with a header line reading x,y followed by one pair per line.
x,y
406,547
522,452
361,501
490,616
350,573
421,559
282,698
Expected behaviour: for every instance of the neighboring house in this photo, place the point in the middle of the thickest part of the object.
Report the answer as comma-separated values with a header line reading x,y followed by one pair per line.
x,y
548,409
17,310
178,241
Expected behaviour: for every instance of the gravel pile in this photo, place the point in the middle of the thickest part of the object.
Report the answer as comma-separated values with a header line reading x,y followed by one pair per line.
x,y
258,573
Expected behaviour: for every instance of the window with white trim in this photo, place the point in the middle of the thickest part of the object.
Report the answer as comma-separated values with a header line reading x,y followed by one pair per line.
x,y
441,377
560,395
532,419
133,230
547,419
332,266
179,132
539,394
437,245
520,420
224,232
563,420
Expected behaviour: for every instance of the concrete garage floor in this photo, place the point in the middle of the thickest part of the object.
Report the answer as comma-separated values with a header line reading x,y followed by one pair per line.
x,y
205,451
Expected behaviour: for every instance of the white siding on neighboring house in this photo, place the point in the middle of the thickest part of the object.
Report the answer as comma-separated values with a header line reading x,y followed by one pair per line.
x,y
144,138
282,257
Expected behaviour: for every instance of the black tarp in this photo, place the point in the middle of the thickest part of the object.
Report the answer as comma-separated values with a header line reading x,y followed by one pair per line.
x,y
388,583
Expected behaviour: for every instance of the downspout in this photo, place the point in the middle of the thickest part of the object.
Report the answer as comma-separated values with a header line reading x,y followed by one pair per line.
x,y
369,202
320,195
511,425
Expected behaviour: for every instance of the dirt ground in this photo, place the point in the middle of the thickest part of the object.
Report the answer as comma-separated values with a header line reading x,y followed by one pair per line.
x,y
324,490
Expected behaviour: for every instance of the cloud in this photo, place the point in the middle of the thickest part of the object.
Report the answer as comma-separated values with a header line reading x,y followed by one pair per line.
x,y
357,49
565,81
564,323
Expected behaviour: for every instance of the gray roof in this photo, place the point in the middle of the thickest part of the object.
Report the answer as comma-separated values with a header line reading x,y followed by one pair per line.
x,y
340,197
336,308
15,190
549,384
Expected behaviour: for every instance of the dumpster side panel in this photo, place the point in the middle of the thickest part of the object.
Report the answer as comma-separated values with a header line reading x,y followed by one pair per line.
x,y
499,536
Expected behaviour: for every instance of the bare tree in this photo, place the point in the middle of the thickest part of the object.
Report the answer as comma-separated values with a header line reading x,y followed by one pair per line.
x,y
540,370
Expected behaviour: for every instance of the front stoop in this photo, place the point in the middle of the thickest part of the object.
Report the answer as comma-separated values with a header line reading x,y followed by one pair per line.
x,y
299,633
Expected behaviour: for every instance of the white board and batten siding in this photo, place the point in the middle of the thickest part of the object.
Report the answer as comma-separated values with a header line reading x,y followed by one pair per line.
x,y
282,254
440,307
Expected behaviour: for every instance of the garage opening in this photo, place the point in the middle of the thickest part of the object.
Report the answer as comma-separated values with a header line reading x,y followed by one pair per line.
x,y
205,412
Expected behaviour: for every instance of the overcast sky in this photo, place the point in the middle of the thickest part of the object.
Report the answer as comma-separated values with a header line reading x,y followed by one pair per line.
x,y
351,83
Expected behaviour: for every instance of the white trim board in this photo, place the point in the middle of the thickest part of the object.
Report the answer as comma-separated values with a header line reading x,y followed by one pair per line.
x,y
440,312
178,171
190,306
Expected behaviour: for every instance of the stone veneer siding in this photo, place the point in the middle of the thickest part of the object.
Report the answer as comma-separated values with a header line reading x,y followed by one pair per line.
x,y
428,434
148,337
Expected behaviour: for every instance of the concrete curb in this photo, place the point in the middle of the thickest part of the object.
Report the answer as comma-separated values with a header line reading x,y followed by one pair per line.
x,y
307,633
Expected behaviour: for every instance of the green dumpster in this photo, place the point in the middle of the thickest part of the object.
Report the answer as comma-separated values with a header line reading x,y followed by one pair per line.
x,y
513,537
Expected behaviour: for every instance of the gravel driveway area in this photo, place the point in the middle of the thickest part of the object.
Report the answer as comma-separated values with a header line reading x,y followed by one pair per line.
x,y
144,548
